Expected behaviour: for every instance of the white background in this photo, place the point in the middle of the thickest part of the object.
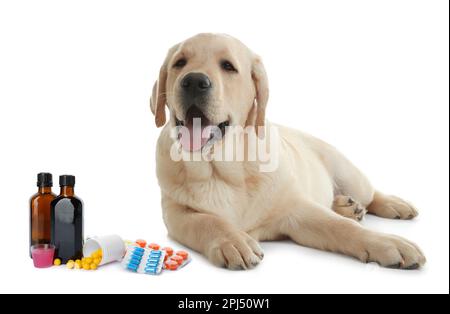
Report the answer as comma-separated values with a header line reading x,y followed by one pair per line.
x,y
370,77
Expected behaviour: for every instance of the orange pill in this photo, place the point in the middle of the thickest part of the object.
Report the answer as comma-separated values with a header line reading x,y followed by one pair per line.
x,y
183,254
153,246
169,251
177,258
171,265
141,243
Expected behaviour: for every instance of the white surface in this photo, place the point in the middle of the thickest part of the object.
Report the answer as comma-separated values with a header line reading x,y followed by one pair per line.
x,y
370,77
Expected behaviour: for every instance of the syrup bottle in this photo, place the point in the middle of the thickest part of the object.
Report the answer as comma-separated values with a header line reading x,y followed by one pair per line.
x,y
67,222
40,210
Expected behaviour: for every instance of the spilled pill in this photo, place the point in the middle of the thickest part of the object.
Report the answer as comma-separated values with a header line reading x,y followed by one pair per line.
x,y
153,246
141,243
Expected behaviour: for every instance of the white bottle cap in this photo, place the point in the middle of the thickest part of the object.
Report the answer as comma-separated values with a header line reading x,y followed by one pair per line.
x,y
112,246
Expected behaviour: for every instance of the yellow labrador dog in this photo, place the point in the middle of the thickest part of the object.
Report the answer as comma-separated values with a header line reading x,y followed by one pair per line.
x,y
213,84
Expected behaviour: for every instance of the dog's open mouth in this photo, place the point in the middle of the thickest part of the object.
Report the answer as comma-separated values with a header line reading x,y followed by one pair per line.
x,y
197,131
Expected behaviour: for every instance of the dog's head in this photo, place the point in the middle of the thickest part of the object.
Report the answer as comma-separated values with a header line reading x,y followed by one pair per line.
x,y
214,78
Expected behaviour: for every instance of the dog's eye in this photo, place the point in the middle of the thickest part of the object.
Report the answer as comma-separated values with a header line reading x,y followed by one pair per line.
x,y
227,66
180,63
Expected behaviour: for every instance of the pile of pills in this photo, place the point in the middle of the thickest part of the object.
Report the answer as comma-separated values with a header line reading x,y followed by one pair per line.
x,y
140,257
86,263
152,259
172,261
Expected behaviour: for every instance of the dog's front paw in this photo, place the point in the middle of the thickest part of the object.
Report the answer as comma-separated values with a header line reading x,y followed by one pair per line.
x,y
393,252
237,251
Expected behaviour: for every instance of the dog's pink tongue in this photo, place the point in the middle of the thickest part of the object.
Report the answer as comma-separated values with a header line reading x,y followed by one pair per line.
x,y
194,137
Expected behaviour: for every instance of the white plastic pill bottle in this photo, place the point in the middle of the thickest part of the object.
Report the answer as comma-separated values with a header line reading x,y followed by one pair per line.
x,y
112,246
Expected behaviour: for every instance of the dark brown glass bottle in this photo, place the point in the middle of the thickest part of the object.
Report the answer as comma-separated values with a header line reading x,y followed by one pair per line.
x,y
67,222
40,222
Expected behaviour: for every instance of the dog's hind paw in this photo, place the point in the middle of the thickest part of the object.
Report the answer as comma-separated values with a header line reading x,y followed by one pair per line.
x,y
348,207
392,207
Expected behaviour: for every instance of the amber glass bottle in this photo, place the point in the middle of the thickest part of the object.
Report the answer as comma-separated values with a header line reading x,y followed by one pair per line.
x,y
40,210
67,221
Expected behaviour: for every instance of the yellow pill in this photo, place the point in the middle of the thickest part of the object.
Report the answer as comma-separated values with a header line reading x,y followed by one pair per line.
x,y
70,265
57,262
88,260
86,267
97,261
93,267
70,261
98,253
77,266
78,262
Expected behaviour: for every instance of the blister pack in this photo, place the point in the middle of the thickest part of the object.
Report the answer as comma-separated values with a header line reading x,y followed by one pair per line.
x,y
175,261
143,260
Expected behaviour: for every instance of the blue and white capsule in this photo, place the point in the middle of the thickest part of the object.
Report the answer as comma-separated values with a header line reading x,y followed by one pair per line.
x,y
144,261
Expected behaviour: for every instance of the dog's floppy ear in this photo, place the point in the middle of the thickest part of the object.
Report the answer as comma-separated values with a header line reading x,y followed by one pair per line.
x,y
261,82
153,98
158,100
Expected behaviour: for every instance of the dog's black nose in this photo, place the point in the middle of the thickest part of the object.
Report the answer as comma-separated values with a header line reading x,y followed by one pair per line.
x,y
196,83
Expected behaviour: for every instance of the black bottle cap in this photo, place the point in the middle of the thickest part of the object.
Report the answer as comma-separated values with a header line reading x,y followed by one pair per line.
x,y
66,180
44,179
